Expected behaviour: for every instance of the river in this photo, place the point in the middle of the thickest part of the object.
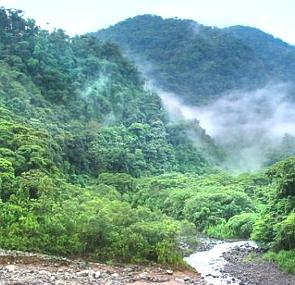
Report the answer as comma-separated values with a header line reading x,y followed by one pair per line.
x,y
210,263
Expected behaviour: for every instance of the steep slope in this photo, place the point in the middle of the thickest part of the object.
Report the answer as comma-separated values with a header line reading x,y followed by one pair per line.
x,y
277,56
199,62
87,89
76,127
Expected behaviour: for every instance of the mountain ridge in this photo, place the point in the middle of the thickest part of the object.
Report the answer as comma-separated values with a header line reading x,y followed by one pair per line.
x,y
199,62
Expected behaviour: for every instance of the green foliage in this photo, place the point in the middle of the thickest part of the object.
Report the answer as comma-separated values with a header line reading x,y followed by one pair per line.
x,y
220,230
242,225
284,174
87,156
121,181
275,224
6,179
285,233
64,219
285,259
277,55
91,99
206,208
199,62
205,201
76,128
238,226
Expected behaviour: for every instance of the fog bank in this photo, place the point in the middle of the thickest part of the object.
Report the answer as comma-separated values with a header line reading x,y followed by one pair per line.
x,y
245,124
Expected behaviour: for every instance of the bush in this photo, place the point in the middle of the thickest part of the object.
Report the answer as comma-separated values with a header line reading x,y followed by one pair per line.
x,y
285,233
219,231
211,207
285,259
241,226
238,226
90,222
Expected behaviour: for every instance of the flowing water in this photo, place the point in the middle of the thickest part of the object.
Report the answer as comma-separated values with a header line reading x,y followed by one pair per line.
x,y
210,263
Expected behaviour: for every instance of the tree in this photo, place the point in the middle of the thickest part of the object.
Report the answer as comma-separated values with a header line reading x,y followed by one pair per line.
x,y
283,173
6,179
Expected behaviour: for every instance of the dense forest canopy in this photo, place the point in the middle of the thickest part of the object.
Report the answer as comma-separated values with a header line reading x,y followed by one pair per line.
x,y
200,62
228,79
72,111
92,166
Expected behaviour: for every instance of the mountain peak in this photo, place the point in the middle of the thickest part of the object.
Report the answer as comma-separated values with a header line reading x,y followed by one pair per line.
x,y
201,62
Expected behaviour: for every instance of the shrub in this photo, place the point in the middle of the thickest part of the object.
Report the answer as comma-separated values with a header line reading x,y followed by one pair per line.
x,y
285,259
241,225
285,233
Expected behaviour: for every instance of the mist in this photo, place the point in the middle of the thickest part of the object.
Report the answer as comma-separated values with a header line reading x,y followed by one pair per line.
x,y
246,124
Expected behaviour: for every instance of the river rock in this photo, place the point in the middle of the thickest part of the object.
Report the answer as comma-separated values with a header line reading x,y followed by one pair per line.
x,y
10,268
143,275
30,269
97,274
85,273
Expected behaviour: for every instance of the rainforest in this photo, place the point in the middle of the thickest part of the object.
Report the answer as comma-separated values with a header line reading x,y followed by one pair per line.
x,y
107,151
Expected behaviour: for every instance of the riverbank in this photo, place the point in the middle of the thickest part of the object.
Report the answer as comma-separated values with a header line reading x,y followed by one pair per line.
x,y
19,268
236,263
243,265
250,268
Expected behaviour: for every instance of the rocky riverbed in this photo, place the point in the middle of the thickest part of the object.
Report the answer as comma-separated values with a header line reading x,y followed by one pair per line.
x,y
19,268
247,265
236,263
241,264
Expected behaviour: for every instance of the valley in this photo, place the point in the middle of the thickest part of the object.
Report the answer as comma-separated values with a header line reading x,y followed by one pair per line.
x,y
117,147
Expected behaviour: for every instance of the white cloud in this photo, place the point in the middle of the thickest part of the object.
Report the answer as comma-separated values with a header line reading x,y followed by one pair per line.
x,y
245,123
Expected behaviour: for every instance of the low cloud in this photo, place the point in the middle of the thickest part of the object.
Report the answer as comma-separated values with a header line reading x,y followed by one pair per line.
x,y
245,123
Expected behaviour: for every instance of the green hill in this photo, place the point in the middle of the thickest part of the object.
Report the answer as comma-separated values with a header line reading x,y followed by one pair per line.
x,y
198,62
91,166
277,56
75,118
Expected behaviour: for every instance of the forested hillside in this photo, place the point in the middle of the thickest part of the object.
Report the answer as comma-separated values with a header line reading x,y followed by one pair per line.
x,y
277,56
92,101
236,81
73,109
91,165
198,62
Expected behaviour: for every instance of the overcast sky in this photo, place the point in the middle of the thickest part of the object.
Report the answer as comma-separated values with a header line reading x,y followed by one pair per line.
x,y
80,16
